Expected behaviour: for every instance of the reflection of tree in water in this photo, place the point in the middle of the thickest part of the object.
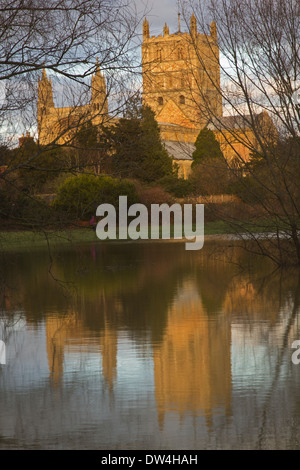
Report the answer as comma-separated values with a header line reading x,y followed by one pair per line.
x,y
213,279
286,341
30,287
11,311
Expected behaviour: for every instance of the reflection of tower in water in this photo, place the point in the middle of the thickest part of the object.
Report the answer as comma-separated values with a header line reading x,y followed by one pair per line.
x,y
109,348
192,365
56,335
67,330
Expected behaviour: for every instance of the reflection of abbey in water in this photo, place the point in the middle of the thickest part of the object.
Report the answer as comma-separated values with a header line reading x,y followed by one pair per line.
x,y
69,331
182,312
191,362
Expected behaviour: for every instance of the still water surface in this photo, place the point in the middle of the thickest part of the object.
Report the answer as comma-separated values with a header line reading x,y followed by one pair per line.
x,y
148,346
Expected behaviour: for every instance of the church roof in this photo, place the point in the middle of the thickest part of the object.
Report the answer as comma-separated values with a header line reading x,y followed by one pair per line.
x,y
237,122
179,150
230,122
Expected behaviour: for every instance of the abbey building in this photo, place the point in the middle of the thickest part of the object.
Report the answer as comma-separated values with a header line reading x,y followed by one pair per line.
x,y
59,124
181,83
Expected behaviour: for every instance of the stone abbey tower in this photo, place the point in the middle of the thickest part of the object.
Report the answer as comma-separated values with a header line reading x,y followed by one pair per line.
x,y
176,76
53,122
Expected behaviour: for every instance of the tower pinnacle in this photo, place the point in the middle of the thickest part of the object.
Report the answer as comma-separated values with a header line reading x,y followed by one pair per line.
x,y
213,30
45,95
193,26
99,94
166,30
146,32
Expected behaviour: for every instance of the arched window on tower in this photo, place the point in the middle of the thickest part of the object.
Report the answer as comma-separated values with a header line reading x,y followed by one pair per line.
x,y
181,99
159,55
160,100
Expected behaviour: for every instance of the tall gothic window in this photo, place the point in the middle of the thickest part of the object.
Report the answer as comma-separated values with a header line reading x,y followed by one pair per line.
x,y
160,100
181,99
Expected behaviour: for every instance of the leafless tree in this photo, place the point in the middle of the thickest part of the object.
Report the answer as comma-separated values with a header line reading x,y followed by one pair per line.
x,y
258,54
67,42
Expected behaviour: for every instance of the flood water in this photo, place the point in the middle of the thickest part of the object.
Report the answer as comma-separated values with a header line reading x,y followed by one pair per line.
x,y
148,346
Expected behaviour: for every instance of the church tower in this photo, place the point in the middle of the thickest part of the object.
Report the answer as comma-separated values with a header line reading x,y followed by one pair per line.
x,y
99,94
179,74
45,99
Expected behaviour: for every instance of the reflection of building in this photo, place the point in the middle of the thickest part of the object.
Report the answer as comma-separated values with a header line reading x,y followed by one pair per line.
x,y
69,331
109,347
192,363
242,301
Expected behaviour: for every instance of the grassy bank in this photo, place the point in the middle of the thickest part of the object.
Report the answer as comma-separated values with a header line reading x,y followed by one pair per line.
x,y
15,239
29,239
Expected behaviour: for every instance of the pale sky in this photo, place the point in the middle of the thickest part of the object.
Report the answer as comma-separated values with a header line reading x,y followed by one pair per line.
x,y
160,11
